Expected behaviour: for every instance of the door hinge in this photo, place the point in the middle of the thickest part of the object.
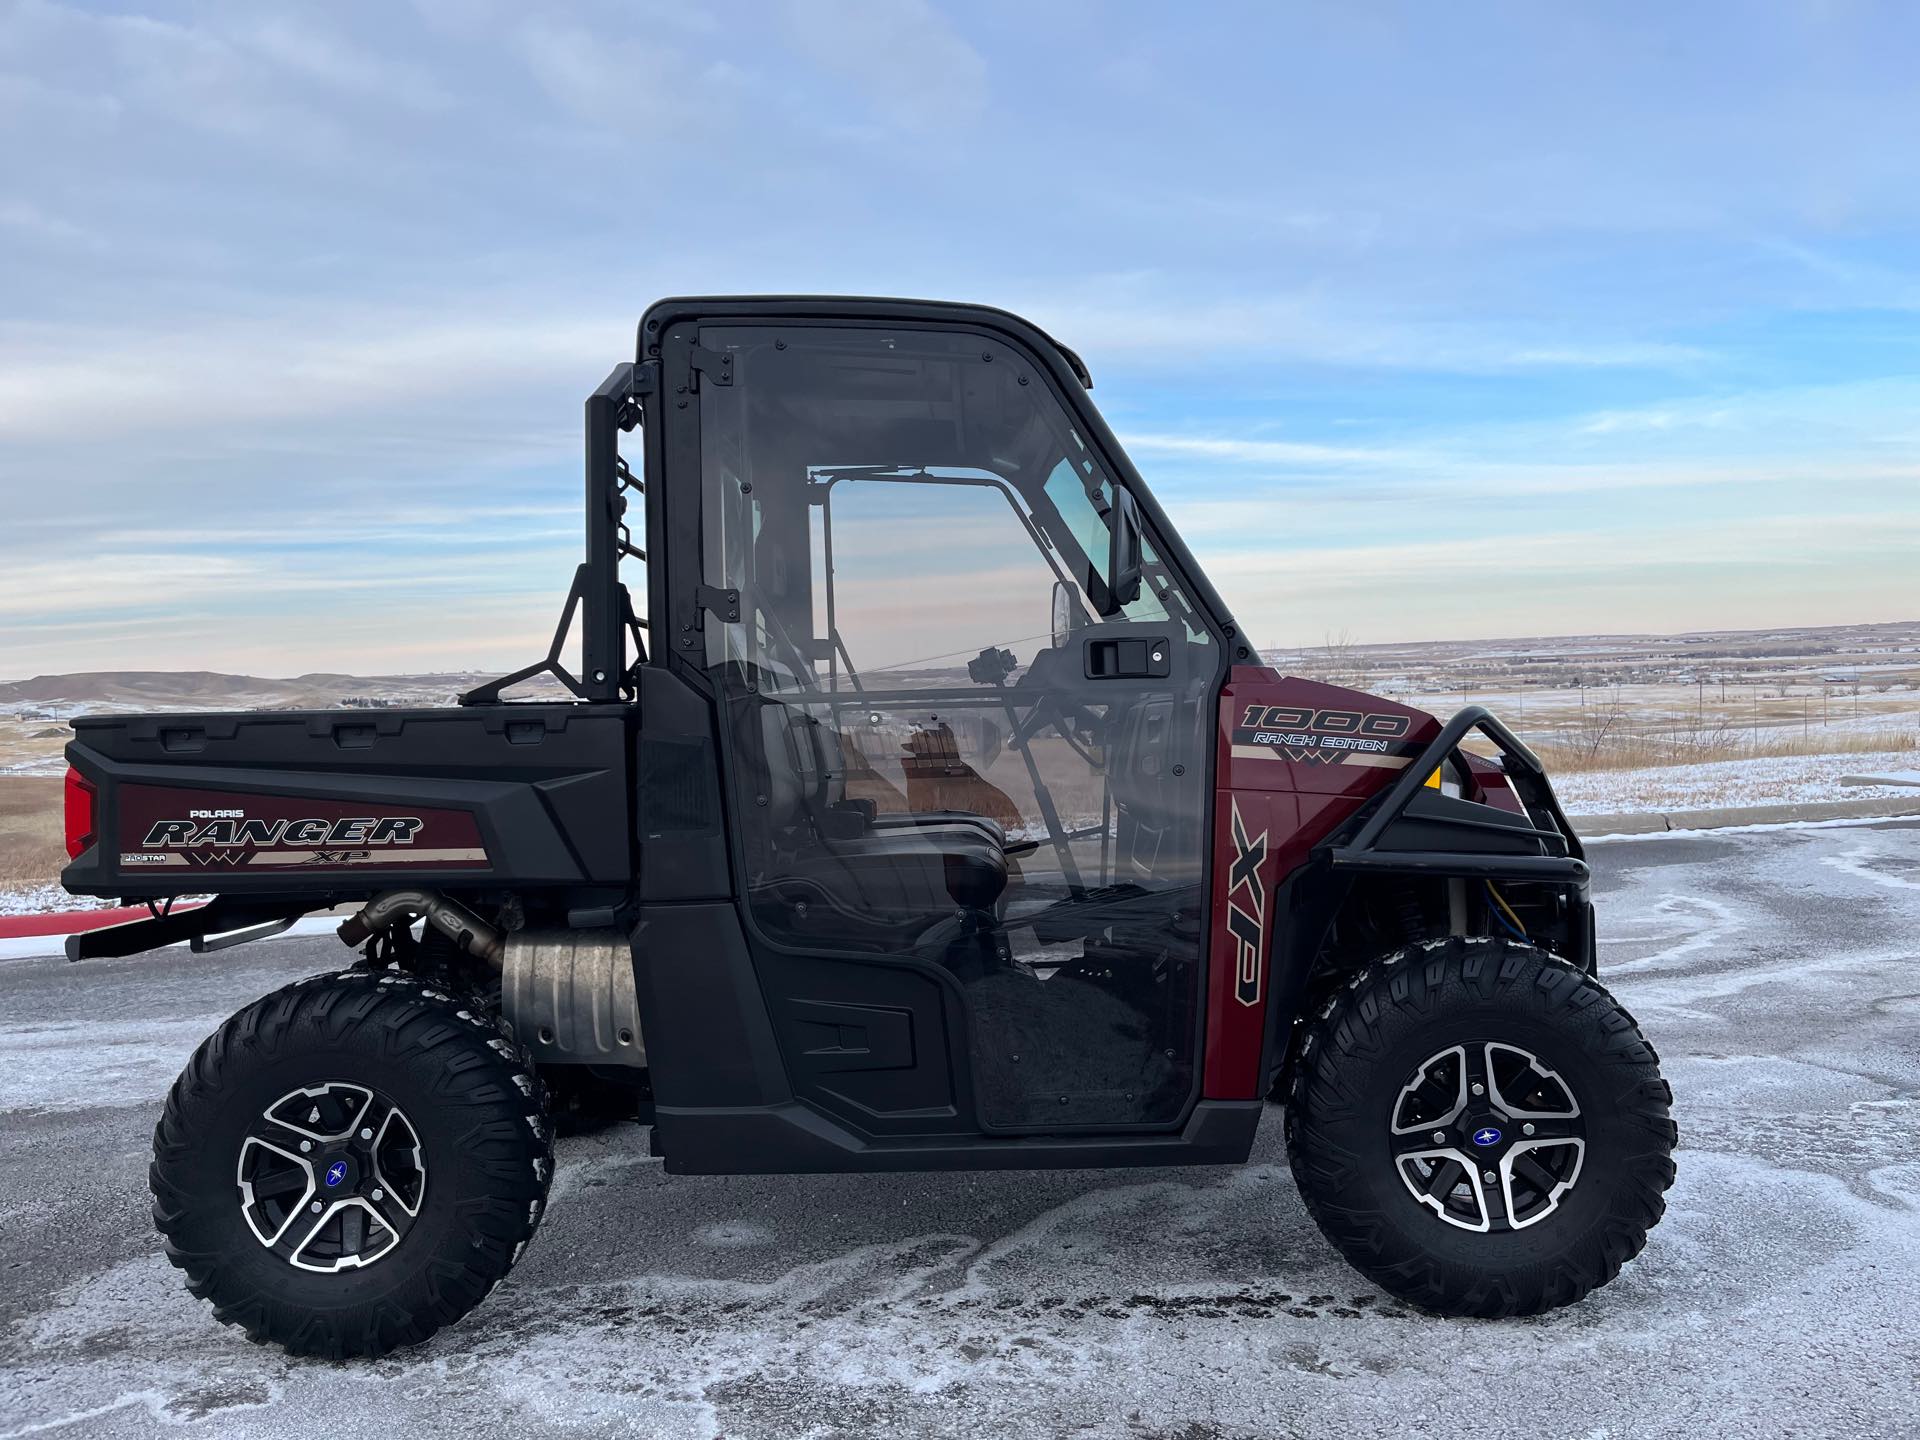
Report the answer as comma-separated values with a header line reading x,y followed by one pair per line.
x,y
716,365
724,603
645,381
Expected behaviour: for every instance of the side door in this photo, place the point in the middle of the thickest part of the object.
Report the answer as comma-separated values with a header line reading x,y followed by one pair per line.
x,y
968,791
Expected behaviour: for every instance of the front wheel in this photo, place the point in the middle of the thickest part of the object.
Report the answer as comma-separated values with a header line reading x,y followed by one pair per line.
x,y
1480,1128
351,1163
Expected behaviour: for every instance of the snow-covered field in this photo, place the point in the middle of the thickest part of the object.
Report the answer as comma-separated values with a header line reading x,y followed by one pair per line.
x,y
1776,972
45,899
51,767
1767,780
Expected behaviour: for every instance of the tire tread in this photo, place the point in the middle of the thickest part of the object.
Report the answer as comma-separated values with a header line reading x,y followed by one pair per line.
x,y
1326,1097
475,1062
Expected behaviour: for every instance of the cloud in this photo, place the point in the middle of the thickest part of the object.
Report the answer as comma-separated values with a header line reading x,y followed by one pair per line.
x,y
901,57
1161,319
304,363
186,75
629,86
1615,422
1263,452
36,224
305,49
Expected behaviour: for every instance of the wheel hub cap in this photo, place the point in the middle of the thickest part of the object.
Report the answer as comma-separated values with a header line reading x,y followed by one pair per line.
x,y
331,1177
1487,1137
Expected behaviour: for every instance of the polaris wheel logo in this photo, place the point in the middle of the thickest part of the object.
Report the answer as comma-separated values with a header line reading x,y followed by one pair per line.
x,y
1488,1136
336,1172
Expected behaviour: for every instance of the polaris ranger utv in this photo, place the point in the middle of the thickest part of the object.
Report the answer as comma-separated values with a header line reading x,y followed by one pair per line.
x,y
934,814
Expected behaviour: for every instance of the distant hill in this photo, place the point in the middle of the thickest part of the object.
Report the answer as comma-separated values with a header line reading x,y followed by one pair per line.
x,y
117,685
209,689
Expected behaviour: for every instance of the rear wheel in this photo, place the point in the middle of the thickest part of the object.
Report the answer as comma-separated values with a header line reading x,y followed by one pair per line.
x,y
351,1163
1481,1128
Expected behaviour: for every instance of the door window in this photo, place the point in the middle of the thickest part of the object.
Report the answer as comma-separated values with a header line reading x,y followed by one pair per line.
x,y
922,770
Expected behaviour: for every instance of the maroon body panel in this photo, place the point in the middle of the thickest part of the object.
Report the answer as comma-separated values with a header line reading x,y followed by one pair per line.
x,y
1491,785
1296,758
167,828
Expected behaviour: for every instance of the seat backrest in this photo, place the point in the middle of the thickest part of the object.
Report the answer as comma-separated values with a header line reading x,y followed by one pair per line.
x,y
805,773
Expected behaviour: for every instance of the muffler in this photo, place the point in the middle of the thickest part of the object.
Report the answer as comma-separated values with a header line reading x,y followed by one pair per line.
x,y
567,994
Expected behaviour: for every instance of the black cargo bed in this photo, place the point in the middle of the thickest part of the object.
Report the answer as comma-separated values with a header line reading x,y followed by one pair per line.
x,y
342,802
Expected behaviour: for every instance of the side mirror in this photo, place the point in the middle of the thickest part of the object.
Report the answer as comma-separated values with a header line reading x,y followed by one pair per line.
x,y
1123,551
1067,614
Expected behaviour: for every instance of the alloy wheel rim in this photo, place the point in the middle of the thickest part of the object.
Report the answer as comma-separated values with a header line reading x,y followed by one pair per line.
x,y
1486,1137
331,1177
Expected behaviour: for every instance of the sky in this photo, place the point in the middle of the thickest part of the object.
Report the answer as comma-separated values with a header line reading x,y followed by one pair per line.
x,y
1422,321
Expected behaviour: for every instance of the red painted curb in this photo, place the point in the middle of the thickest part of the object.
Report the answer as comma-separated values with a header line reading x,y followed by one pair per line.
x,y
69,922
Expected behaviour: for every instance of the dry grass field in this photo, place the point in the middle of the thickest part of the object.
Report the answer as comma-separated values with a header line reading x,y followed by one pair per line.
x,y
32,839
1633,702
1649,749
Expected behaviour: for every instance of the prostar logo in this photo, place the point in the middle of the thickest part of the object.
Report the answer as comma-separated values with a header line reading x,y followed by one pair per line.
x,y
1247,917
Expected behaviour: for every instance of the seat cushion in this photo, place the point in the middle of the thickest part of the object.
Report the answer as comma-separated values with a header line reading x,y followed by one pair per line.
x,y
921,819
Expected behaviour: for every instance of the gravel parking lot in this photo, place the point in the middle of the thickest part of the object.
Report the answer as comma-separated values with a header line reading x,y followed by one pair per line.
x,y
1778,973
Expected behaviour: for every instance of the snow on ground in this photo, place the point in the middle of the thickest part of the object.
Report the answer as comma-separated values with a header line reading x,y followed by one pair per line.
x,y
47,899
54,766
1902,778
1775,972
1767,780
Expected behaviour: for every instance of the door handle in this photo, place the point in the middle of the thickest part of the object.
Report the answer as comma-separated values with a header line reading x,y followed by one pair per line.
x,y
1129,659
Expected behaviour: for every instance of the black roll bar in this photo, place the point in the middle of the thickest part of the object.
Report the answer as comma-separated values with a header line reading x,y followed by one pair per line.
x,y
596,598
1530,782
602,631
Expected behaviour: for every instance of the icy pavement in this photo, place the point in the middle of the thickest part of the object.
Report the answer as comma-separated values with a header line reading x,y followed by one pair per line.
x,y
1779,974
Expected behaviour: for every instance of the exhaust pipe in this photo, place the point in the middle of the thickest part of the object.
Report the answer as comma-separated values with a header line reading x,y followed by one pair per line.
x,y
449,917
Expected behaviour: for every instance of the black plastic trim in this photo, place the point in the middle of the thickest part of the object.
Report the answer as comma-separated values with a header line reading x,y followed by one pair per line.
x,y
795,1139
1464,863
